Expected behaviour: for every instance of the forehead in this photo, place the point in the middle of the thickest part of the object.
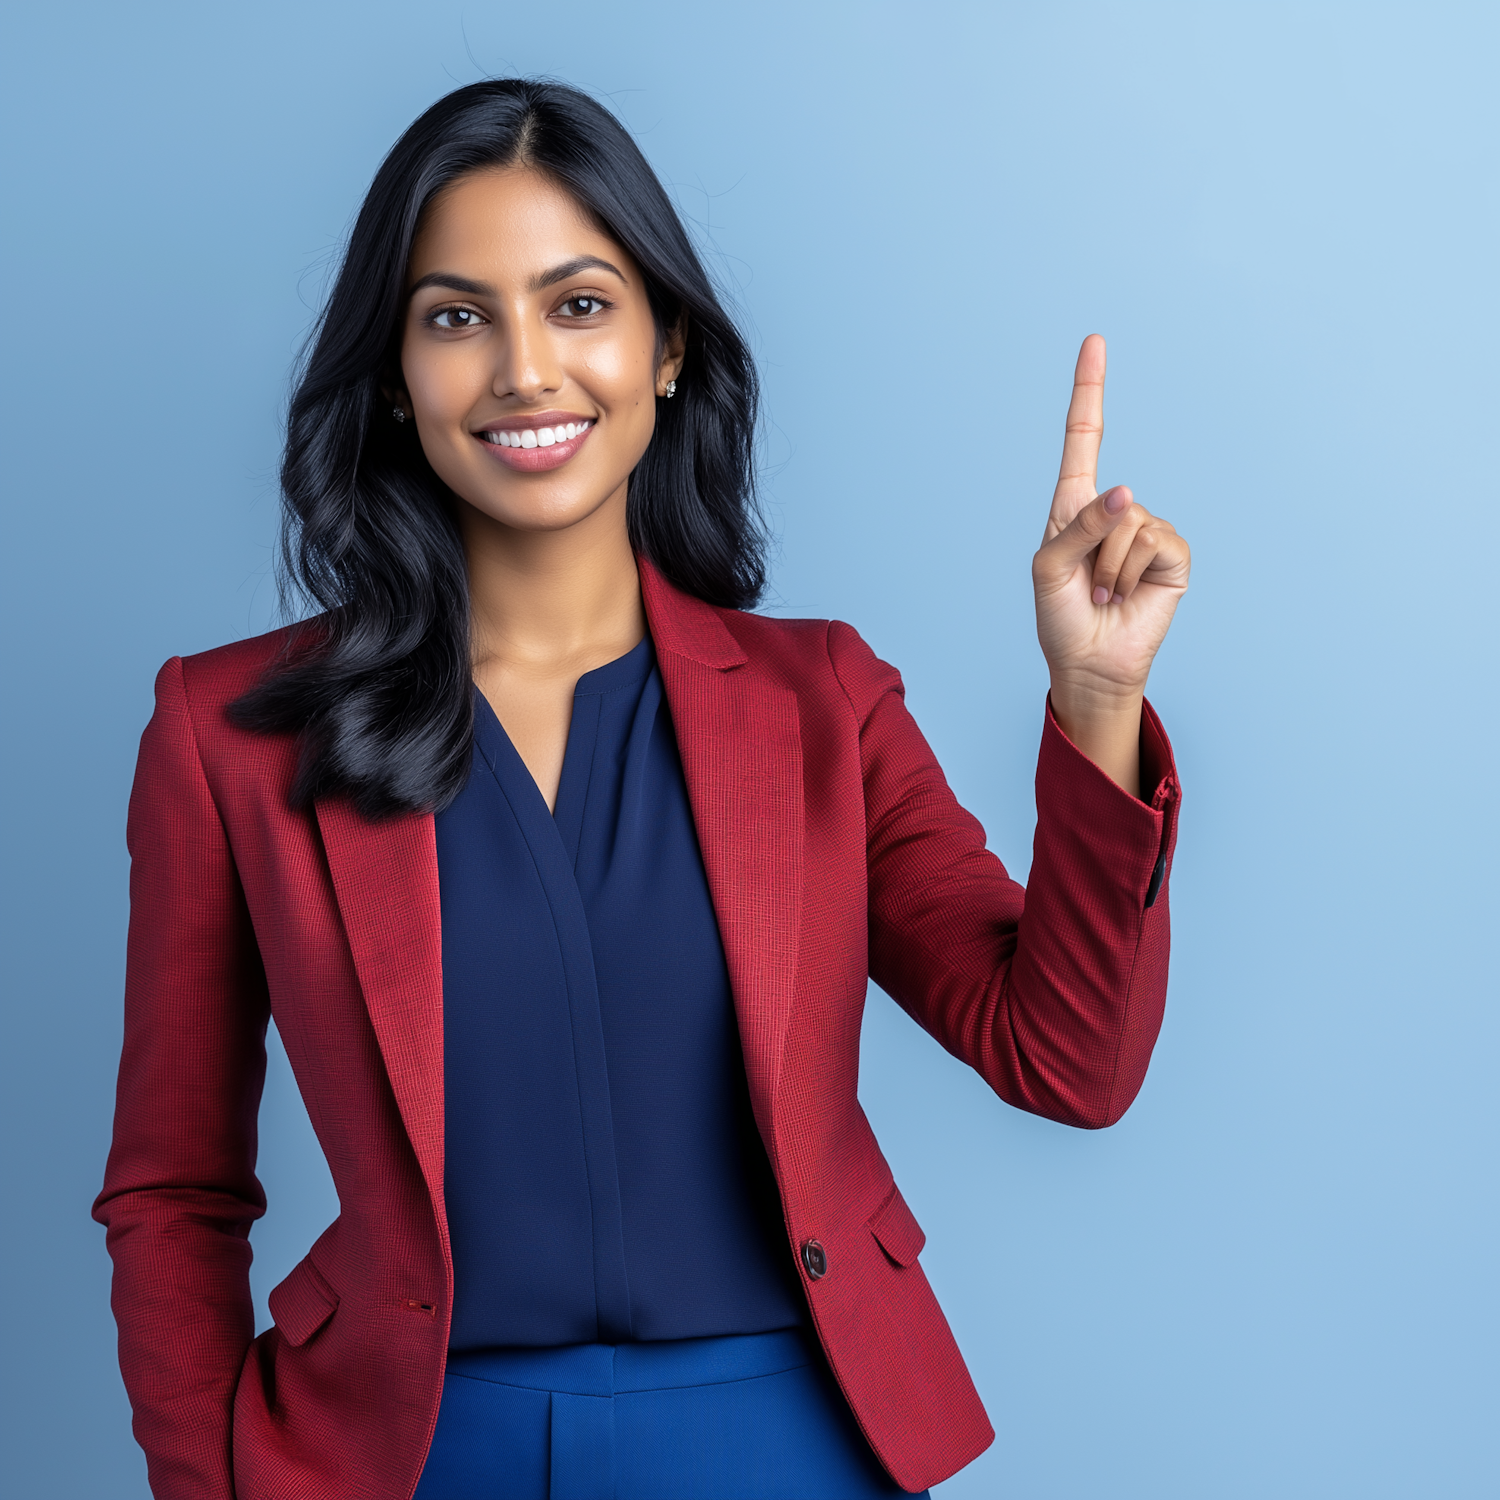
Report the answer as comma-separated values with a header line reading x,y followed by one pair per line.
x,y
505,225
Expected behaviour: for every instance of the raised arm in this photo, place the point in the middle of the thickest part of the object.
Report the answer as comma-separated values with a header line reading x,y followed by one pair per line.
x,y
180,1191
1055,993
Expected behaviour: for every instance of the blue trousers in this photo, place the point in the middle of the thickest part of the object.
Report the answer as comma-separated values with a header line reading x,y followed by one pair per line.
x,y
755,1417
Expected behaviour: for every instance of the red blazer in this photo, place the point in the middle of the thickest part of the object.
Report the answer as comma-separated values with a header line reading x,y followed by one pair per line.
x,y
834,850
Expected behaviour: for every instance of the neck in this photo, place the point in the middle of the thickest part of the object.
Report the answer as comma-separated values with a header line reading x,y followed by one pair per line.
x,y
552,601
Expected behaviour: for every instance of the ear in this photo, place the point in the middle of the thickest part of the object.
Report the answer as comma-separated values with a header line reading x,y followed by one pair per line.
x,y
673,352
393,392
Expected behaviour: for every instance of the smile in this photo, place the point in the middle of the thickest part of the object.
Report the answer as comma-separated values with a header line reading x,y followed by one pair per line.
x,y
532,449
537,437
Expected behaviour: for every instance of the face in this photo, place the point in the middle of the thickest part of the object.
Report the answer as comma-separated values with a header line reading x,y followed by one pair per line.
x,y
529,356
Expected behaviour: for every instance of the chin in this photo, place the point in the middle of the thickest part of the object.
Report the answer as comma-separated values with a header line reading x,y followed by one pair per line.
x,y
537,512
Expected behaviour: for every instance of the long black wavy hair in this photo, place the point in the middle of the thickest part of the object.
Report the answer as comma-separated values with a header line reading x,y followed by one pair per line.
x,y
378,686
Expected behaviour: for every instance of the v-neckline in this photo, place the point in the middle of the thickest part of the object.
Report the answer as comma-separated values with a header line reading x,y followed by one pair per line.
x,y
566,815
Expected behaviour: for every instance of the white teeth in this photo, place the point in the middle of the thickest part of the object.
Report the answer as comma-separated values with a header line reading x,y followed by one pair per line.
x,y
537,437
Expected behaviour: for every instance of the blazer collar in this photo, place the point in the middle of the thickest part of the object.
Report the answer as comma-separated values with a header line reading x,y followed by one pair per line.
x,y
686,625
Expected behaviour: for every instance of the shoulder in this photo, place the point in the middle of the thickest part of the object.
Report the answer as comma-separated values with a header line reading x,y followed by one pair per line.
x,y
815,658
194,695
212,680
770,637
828,652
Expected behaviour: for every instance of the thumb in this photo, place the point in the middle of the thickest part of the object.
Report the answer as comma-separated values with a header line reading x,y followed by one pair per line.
x,y
1059,558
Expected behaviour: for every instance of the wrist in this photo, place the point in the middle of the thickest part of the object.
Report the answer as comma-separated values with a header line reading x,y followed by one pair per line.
x,y
1103,724
1087,700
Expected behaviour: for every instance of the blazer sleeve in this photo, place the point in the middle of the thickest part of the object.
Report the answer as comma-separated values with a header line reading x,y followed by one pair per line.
x,y
1054,993
180,1191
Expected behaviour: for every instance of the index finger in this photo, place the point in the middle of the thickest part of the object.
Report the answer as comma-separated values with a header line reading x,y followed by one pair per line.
x,y
1077,476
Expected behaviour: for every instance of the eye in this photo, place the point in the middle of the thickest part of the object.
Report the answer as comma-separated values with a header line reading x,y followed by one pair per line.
x,y
455,317
582,306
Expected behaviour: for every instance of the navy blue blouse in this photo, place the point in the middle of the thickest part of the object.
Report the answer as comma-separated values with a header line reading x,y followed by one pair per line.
x,y
605,1180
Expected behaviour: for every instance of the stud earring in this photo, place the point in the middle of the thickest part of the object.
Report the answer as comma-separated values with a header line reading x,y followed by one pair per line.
x,y
399,413
671,389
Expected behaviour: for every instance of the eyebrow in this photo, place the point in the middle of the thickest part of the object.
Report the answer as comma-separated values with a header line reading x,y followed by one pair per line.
x,y
539,282
452,283
571,268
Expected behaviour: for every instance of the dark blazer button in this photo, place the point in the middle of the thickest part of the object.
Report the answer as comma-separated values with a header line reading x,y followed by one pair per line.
x,y
814,1258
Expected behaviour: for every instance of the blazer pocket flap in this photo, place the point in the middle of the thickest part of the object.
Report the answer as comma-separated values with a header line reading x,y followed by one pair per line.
x,y
302,1303
897,1231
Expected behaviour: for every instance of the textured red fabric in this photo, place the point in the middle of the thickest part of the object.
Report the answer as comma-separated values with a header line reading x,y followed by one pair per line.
x,y
834,851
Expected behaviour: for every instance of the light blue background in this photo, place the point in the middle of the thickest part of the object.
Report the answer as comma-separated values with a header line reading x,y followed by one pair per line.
x,y
1276,1276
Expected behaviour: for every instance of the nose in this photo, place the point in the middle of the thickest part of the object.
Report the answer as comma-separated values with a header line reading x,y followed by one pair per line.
x,y
527,366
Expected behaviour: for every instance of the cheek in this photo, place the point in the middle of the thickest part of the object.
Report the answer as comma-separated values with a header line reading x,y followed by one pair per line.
x,y
623,374
622,366
443,383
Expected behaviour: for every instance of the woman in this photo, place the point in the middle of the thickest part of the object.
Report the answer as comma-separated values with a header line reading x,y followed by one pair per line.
x,y
562,877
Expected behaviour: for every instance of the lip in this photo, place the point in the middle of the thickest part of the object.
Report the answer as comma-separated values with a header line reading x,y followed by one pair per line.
x,y
536,460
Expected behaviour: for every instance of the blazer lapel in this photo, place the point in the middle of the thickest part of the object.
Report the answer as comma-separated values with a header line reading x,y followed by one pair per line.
x,y
740,741
385,877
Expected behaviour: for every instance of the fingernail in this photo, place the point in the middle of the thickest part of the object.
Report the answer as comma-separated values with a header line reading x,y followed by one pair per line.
x,y
1116,500
1101,595
1117,598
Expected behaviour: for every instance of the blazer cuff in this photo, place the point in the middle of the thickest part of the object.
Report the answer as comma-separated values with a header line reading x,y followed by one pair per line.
x,y
1131,838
